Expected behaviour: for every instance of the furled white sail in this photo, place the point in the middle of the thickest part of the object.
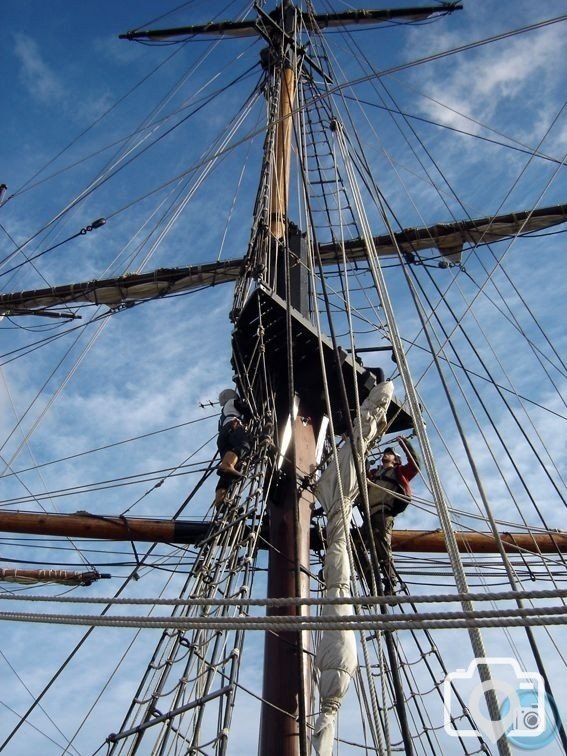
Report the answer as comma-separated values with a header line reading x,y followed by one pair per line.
x,y
336,655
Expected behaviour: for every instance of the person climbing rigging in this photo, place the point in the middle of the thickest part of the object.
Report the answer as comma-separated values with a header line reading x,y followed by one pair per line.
x,y
389,493
233,441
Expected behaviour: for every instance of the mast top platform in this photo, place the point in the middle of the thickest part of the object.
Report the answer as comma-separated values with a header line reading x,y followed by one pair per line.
x,y
265,317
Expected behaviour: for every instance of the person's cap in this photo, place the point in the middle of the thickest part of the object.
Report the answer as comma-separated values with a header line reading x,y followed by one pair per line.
x,y
389,450
226,395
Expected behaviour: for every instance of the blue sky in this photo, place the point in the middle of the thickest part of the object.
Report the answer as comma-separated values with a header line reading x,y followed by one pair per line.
x,y
73,95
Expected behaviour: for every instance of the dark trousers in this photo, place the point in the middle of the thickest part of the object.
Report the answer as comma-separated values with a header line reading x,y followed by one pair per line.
x,y
382,523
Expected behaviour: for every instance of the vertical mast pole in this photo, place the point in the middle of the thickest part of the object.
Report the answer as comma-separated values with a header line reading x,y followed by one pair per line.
x,y
287,673
282,158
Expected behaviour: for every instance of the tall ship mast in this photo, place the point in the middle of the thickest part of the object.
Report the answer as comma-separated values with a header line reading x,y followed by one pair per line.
x,y
352,325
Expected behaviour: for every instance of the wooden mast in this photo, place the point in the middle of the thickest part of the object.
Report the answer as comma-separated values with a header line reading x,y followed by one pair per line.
x,y
286,680
279,189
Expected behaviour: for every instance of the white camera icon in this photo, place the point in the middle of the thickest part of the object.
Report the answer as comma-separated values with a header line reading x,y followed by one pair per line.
x,y
526,715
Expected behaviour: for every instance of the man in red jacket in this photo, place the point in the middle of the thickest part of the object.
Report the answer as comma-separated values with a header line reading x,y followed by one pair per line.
x,y
389,493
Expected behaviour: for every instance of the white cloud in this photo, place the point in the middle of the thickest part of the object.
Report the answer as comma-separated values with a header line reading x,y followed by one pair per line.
x,y
36,75
507,89
481,83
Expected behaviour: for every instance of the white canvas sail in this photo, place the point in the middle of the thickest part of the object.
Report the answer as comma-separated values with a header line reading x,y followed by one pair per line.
x,y
336,490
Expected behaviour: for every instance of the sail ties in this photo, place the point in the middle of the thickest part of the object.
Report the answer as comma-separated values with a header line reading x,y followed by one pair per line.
x,y
336,657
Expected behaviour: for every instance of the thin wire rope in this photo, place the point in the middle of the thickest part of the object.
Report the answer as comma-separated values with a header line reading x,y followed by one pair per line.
x,y
310,244
34,726
474,633
55,395
110,678
509,246
378,74
509,571
516,145
429,155
461,328
332,437
511,319
530,149
65,663
514,392
496,430
339,482
361,452
30,451
111,445
112,483
382,293
469,371
206,550
418,62
449,362
226,532
441,350
113,167
480,259
27,185
457,514
41,708
155,123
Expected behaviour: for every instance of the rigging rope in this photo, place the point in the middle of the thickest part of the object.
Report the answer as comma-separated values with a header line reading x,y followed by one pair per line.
x,y
395,599
452,549
554,615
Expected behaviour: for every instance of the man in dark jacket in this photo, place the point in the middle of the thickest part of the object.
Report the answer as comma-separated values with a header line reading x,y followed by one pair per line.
x,y
233,442
389,493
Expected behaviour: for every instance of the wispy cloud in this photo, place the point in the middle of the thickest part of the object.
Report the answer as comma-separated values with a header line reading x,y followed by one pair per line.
x,y
36,75
486,82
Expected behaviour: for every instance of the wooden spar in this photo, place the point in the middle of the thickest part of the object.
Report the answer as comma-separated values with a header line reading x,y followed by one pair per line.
x,y
479,543
66,577
312,21
447,238
85,525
